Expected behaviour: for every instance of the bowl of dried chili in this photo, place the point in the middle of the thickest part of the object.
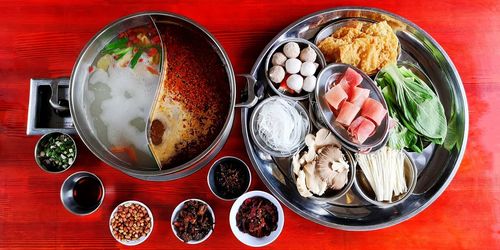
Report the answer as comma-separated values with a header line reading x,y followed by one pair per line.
x,y
256,218
229,178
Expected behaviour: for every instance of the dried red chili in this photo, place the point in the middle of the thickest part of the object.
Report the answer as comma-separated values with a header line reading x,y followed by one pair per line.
x,y
195,77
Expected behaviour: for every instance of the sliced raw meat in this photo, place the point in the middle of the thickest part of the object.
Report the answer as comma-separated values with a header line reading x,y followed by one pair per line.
x,y
345,85
355,124
347,113
359,95
373,110
335,96
361,129
352,77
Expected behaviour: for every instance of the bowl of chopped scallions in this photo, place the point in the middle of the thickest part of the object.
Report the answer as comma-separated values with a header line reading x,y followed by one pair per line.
x,y
55,152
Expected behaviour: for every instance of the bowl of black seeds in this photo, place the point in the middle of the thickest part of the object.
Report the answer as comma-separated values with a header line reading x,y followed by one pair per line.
x,y
229,178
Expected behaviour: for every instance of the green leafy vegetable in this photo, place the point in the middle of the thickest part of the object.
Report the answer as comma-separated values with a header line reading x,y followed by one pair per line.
x,y
119,53
114,46
416,108
136,57
452,137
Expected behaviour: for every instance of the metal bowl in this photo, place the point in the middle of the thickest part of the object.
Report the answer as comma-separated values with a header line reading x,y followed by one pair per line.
x,y
331,195
320,59
262,144
366,191
67,194
417,71
327,117
211,176
328,30
48,168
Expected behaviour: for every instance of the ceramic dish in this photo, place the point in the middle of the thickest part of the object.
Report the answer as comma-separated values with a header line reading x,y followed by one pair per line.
x,y
247,239
176,213
141,239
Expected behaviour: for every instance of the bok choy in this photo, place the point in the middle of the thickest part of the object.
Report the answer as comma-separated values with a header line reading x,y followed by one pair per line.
x,y
417,110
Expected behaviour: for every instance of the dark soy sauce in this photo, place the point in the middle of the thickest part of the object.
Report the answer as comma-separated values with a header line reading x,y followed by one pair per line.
x,y
87,192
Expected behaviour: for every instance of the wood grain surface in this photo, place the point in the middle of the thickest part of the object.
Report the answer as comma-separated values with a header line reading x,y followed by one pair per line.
x,y
43,38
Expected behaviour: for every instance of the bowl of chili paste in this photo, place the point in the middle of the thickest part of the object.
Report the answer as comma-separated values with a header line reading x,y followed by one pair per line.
x,y
256,218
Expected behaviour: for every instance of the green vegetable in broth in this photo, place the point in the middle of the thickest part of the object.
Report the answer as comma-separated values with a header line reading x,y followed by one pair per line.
x,y
416,108
115,45
136,57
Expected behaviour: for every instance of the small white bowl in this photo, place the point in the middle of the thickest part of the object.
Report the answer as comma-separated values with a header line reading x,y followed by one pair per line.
x,y
174,216
247,239
143,238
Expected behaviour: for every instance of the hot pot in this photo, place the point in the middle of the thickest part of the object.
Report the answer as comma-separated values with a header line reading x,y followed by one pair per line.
x,y
78,91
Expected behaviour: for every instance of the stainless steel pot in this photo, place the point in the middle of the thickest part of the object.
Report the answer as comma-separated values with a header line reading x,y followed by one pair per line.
x,y
78,90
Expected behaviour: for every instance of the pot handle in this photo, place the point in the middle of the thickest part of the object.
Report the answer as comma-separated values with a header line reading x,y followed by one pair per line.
x,y
54,98
252,98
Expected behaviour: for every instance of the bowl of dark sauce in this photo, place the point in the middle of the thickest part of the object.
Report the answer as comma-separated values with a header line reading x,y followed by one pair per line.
x,y
82,193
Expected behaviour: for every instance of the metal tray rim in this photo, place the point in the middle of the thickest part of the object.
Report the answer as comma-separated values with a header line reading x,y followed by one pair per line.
x,y
461,91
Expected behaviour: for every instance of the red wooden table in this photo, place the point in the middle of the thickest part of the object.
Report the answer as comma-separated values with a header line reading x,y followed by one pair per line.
x,y
43,39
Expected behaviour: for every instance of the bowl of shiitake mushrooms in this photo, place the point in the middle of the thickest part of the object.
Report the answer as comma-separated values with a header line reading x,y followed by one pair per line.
x,y
323,170
292,67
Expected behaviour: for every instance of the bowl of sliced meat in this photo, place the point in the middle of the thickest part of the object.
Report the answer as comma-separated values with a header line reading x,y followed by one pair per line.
x,y
348,102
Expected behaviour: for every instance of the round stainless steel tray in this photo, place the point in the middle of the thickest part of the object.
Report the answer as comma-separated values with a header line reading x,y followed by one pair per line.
x,y
436,165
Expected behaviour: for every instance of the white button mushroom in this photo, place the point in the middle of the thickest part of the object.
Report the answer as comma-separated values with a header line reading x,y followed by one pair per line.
x,y
309,83
307,69
291,50
276,74
295,82
308,54
293,65
278,59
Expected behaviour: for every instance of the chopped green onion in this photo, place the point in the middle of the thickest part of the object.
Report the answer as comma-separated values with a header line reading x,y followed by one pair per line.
x,y
136,57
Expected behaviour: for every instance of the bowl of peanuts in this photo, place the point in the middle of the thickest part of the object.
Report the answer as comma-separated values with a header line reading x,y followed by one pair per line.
x,y
131,223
